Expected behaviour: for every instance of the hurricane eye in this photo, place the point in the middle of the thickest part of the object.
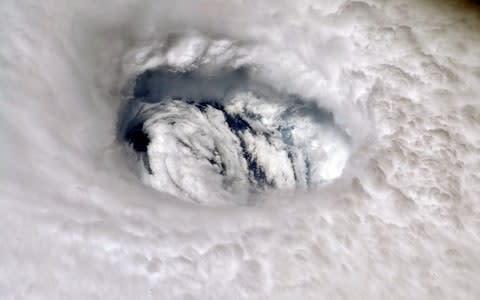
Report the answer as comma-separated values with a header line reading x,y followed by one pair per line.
x,y
196,132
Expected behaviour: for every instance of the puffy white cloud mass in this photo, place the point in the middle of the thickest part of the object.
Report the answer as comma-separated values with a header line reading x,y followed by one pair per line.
x,y
239,149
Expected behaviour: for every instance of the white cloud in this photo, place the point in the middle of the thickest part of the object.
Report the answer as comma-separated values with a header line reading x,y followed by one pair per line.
x,y
402,221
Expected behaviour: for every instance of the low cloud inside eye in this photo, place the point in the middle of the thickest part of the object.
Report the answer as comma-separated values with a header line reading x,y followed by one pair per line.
x,y
196,132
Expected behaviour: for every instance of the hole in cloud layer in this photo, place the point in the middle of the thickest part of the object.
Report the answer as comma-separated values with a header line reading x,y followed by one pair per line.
x,y
225,137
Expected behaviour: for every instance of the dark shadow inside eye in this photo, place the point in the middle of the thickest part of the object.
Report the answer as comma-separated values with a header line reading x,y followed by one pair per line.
x,y
138,138
152,86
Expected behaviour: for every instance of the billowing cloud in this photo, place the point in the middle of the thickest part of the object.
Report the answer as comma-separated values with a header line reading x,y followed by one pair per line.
x,y
353,125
